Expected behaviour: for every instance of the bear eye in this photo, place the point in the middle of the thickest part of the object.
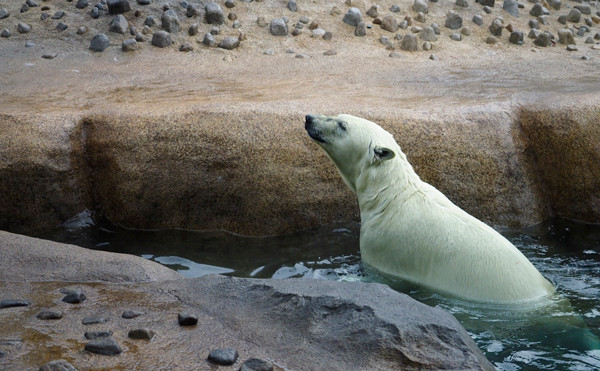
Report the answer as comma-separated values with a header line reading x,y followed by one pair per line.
x,y
343,125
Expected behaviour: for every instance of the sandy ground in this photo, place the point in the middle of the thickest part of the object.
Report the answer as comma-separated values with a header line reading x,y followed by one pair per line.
x,y
361,77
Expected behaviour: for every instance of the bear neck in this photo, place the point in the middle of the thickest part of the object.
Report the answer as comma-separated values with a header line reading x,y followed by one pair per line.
x,y
380,184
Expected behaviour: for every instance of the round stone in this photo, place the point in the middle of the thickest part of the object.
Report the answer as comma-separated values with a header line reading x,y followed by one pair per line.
x,y
223,356
186,319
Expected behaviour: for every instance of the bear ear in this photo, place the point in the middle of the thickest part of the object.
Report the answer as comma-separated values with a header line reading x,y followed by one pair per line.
x,y
383,154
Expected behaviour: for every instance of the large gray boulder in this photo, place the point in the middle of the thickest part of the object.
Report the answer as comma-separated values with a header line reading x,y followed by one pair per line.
x,y
298,324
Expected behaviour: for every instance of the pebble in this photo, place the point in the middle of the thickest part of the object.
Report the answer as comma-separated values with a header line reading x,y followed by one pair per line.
x,y
81,4
360,29
261,21
428,34
420,6
99,43
31,44
107,346
389,23
4,13
92,320
487,9
58,365
318,32
214,13
555,4
478,20
574,16
572,48
352,17
255,364
5,33
141,333
537,10
118,6
223,356
585,9
420,17
150,21
491,40
24,8
170,22
373,11
511,7
565,36
94,335
23,27
327,36
139,37
462,3
50,56
186,47
543,39
129,314
186,319
95,13
9,303
292,5
395,8
453,21
330,52
229,4
31,3
434,57
58,14
456,36
278,27
61,26
516,37
496,27
49,314
426,46
209,40
161,39
409,43
534,33
229,43
465,31
129,45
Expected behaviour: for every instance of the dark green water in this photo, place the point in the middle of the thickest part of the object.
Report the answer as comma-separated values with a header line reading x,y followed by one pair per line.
x,y
562,336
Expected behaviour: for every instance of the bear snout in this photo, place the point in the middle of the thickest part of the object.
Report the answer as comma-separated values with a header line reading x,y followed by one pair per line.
x,y
313,132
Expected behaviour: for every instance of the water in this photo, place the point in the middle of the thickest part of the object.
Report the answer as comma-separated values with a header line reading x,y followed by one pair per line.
x,y
554,337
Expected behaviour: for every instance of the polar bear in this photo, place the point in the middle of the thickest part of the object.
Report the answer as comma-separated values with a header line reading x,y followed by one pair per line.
x,y
410,230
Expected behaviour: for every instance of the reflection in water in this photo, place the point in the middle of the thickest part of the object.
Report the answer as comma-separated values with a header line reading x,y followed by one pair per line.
x,y
563,335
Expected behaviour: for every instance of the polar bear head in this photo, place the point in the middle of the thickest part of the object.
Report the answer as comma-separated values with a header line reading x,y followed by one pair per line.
x,y
358,147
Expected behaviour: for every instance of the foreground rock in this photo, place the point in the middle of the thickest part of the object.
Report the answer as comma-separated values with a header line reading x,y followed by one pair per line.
x,y
341,326
42,260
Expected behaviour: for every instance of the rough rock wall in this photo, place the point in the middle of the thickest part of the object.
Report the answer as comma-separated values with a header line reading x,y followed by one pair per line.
x,y
258,173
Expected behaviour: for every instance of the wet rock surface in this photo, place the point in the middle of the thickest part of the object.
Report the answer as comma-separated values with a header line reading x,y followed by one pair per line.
x,y
244,324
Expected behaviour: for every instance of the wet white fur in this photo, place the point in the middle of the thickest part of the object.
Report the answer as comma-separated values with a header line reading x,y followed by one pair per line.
x,y
412,231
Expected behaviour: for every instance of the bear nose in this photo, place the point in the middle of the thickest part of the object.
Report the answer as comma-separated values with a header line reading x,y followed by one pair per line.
x,y
309,119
